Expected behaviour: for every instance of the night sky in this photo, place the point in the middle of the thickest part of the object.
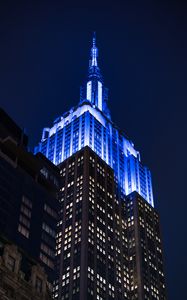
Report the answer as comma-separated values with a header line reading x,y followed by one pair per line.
x,y
44,52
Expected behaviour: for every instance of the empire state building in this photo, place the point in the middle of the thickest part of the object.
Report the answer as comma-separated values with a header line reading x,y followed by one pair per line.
x,y
108,243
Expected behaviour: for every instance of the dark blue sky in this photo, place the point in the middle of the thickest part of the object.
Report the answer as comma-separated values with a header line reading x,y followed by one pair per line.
x,y
44,51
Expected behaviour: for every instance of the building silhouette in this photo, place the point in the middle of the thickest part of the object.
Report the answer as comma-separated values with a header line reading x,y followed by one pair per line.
x,y
108,238
28,197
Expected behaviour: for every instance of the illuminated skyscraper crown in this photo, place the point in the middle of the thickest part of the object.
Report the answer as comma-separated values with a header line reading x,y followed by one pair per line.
x,y
94,90
89,124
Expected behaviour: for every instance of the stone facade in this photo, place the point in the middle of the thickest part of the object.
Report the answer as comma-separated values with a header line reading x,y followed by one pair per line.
x,y
17,285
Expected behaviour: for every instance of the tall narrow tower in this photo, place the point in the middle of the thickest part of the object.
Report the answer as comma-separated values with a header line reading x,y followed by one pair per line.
x,y
94,90
108,241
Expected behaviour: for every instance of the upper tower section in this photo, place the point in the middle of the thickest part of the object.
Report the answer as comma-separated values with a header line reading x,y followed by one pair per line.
x,y
93,89
94,70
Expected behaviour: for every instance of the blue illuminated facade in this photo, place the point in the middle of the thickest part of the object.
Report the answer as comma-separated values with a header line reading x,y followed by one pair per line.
x,y
89,124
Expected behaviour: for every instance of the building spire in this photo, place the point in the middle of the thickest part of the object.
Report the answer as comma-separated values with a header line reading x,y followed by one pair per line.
x,y
94,39
94,90
94,51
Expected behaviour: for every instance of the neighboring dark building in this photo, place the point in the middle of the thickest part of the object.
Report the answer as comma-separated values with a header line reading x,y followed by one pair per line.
x,y
146,272
28,191
21,278
91,243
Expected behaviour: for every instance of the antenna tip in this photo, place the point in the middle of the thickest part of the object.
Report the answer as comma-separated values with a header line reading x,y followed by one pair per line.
x,y
94,38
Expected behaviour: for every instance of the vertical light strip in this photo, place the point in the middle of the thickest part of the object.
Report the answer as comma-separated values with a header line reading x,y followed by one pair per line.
x,y
89,91
100,95
87,129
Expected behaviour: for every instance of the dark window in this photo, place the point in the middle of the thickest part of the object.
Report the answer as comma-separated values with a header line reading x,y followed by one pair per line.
x,y
38,284
11,263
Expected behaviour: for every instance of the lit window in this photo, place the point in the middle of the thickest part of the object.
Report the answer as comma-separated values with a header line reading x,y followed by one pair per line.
x,y
27,201
23,231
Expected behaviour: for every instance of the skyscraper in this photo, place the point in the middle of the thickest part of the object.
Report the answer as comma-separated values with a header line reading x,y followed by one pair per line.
x,y
108,241
89,124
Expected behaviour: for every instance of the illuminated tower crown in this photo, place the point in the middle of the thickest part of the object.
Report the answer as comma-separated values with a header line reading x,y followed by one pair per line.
x,y
89,124
94,90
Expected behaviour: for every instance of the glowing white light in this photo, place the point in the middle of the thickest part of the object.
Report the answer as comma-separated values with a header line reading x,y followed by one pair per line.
x,y
94,57
89,91
100,95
